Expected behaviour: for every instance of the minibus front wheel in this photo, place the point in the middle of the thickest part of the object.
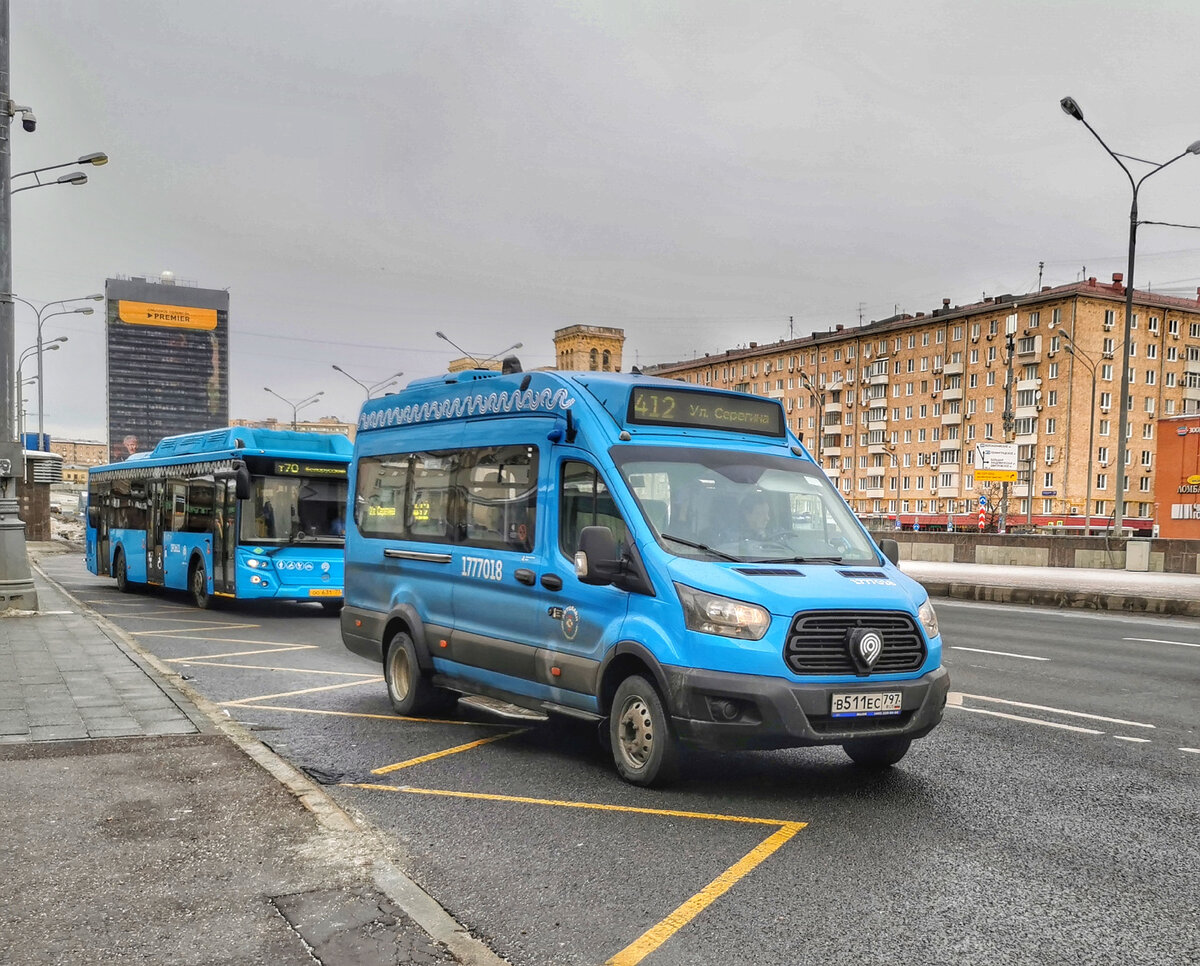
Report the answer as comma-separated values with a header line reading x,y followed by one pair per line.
x,y
644,747
408,686
877,752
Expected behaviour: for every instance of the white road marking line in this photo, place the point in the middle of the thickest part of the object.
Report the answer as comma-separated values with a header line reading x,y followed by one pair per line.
x,y
1155,640
1191,751
1017,717
1043,707
980,650
1144,741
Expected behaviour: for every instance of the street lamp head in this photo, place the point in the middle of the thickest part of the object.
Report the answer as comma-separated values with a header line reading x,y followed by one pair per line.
x,y
84,311
51,345
96,157
77,177
94,297
1194,148
1070,107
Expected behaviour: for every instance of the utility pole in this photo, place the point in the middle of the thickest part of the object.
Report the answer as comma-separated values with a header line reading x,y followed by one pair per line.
x,y
16,579
1010,332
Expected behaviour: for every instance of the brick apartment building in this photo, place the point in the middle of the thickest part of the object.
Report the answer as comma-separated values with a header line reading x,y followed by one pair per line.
x,y
893,409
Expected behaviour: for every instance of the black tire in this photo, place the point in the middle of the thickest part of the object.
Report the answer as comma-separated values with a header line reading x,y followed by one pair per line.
x,y
121,573
644,748
409,688
877,753
198,586
332,607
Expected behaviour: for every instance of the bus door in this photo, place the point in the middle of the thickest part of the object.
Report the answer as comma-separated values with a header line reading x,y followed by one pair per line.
x,y
101,499
156,491
225,531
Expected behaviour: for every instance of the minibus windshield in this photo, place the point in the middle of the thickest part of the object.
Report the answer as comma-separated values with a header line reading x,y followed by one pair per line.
x,y
289,509
712,504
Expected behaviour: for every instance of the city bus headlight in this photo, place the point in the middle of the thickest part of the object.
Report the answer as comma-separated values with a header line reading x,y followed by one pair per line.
x,y
928,618
723,616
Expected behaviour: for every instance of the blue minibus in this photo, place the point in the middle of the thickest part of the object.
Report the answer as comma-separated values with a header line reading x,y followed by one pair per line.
x,y
240,513
664,559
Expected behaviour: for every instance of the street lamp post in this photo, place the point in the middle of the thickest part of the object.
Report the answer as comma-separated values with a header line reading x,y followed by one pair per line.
x,y
52,346
296,406
96,158
1010,332
42,316
369,390
1071,108
819,402
1090,363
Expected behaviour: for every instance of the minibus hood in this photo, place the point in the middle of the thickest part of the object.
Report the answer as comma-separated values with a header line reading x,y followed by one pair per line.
x,y
785,588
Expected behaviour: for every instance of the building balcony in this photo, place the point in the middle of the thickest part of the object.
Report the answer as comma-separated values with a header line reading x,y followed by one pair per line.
x,y
876,425
834,407
952,394
879,380
831,450
954,368
877,449
951,419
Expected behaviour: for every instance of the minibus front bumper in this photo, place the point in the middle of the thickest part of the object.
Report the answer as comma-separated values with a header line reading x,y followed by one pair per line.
x,y
714,709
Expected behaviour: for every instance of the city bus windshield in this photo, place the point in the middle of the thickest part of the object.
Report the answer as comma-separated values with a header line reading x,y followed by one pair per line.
x,y
290,509
716,504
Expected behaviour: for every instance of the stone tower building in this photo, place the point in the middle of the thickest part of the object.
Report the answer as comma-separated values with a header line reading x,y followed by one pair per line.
x,y
595,348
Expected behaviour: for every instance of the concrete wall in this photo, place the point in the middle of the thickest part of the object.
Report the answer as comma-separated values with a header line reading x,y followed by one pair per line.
x,y
1045,550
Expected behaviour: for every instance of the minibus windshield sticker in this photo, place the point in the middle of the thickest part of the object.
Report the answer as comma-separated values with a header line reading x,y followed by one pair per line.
x,y
459,407
655,406
300,468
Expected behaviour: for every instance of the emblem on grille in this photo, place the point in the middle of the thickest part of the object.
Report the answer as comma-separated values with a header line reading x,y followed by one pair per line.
x,y
865,646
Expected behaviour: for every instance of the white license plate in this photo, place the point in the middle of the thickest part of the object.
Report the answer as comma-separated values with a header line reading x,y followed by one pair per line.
x,y
865,704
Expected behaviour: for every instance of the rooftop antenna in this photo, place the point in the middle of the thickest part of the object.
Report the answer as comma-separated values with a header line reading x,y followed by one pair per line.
x,y
1041,265
861,306
442,336
791,327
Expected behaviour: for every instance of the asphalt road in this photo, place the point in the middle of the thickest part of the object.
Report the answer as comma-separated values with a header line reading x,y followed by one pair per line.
x,y
1052,818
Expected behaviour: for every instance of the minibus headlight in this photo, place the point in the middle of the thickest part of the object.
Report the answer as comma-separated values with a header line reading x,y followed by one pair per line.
x,y
928,618
723,616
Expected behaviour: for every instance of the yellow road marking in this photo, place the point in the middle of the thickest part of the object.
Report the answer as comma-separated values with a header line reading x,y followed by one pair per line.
x,y
181,631
650,940
658,934
442,754
263,667
595,806
287,694
382,717
224,640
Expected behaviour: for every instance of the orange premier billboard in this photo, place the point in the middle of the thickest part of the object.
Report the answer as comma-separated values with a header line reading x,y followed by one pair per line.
x,y
1177,480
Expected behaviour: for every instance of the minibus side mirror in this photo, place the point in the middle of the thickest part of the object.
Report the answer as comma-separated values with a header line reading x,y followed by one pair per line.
x,y
891,550
93,517
596,561
241,476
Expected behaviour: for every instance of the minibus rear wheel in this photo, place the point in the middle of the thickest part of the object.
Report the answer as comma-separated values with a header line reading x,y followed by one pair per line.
x,y
644,747
877,752
408,686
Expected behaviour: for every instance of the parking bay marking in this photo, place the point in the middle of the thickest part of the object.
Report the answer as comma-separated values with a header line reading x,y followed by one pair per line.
x,y
658,934
374,679
959,695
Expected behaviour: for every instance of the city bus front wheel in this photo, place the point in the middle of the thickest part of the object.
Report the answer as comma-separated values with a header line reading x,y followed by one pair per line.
x,y
198,585
409,688
645,750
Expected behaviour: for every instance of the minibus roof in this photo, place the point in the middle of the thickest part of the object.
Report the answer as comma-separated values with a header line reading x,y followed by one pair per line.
x,y
634,402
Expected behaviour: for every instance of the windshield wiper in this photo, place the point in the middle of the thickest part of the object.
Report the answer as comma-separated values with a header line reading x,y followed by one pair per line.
x,y
700,546
798,560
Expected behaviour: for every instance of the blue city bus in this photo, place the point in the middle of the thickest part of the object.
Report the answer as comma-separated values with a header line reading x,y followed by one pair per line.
x,y
240,513
663,559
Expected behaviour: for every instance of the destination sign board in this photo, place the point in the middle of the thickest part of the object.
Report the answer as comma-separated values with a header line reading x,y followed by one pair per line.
x,y
690,408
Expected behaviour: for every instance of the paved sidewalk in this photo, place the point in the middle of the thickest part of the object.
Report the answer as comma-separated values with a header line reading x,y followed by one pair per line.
x,y
143,826
1115,590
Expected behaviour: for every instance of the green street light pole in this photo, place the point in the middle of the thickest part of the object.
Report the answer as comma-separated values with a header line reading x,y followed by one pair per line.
x,y
1072,109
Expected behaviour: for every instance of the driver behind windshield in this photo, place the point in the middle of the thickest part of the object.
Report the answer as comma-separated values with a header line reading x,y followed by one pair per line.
x,y
756,515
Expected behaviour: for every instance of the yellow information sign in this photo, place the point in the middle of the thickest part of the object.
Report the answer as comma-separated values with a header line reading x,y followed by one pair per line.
x,y
995,476
166,316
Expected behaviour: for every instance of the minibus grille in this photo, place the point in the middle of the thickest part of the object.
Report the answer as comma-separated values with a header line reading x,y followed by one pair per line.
x,y
816,643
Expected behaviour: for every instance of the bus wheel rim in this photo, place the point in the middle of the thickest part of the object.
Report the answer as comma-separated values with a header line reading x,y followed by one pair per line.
x,y
635,732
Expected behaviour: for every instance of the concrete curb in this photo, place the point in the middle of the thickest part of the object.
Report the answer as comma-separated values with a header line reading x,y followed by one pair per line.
x,y
416,903
1051,597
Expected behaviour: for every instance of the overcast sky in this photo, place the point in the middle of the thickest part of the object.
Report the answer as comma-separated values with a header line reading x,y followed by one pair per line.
x,y
361,175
